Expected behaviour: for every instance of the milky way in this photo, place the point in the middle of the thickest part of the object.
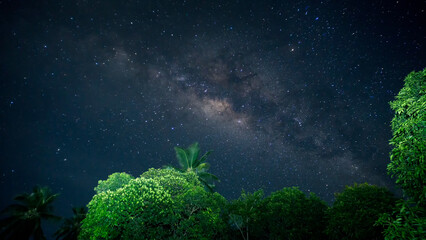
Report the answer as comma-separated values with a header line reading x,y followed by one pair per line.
x,y
285,94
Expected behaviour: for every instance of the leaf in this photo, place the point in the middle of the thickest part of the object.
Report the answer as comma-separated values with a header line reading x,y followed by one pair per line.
x,y
182,157
193,151
202,159
203,167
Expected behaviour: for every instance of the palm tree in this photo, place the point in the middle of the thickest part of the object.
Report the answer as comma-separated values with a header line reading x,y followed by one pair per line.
x,y
71,226
24,218
189,161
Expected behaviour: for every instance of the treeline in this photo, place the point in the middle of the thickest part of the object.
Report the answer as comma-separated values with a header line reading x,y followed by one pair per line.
x,y
169,204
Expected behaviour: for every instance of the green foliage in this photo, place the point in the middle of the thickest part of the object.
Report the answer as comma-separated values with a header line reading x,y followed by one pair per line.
x,y
285,214
200,214
355,211
189,162
289,214
409,137
23,220
408,160
71,227
188,158
173,181
114,182
161,204
407,222
245,214
141,207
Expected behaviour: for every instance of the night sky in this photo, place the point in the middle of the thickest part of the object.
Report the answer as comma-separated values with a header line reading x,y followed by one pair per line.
x,y
286,93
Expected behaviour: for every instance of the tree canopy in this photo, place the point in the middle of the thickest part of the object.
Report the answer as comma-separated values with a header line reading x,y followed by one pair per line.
x,y
355,211
407,163
409,137
245,215
114,182
290,214
161,204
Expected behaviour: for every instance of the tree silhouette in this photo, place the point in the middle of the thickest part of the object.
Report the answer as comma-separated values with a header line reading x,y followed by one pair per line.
x,y
71,227
24,218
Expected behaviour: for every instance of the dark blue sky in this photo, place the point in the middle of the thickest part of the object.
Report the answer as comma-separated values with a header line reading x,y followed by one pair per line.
x,y
286,93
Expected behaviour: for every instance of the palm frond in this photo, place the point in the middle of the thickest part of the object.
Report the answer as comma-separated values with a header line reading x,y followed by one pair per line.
x,y
23,198
182,157
14,208
208,176
203,167
209,187
202,159
71,227
50,198
193,151
7,223
78,211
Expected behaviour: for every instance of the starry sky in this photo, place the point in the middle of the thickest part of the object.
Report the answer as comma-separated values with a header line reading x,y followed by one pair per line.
x,y
285,93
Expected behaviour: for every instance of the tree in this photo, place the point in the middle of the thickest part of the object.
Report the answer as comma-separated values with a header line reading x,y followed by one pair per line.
x,y
71,227
355,211
24,218
289,214
189,162
139,208
245,214
409,137
161,204
114,182
407,163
